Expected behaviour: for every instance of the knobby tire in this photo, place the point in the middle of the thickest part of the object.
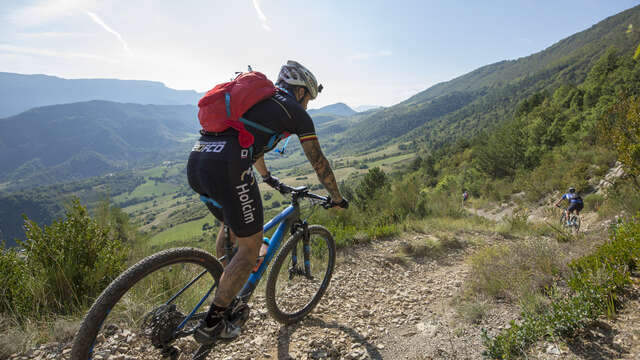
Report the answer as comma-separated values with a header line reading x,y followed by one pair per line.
x,y
93,321
275,311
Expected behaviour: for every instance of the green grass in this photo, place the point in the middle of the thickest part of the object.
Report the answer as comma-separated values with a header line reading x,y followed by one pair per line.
x,y
150,188
190,230
449,224
391,160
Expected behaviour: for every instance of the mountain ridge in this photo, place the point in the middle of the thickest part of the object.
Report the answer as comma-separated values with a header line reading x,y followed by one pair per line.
x,y
487,96
338,109
21,92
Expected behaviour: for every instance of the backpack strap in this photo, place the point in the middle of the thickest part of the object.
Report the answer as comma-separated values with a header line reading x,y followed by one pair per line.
x,y
275,137
255,125
227,103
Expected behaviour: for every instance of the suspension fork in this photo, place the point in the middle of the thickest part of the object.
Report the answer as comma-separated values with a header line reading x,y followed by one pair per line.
x,y
306,248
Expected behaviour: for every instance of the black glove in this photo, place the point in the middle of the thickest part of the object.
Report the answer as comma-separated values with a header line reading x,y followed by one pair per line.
x,y
272,181
343,204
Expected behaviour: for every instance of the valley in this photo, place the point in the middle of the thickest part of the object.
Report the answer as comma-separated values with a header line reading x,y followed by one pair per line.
x,y
93,179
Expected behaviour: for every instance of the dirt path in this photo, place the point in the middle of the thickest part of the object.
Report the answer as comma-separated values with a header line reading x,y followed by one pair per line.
x,y
378,306
381,305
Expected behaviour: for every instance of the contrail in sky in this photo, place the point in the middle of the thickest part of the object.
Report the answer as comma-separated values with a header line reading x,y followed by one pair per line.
x,y
263,19
99,21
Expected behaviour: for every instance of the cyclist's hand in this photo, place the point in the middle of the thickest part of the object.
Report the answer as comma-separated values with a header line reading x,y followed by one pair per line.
x,y
272,181
344,204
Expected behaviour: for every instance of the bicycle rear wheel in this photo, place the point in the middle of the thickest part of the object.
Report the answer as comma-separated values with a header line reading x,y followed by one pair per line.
x,y
141,308
293,288
575,221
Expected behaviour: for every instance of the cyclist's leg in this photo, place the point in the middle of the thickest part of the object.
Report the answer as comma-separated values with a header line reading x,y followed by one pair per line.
x,y
238,270
573,207
579,208
242,211
242,208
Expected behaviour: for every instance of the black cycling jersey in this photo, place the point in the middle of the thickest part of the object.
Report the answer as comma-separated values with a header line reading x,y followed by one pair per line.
x,y
281,113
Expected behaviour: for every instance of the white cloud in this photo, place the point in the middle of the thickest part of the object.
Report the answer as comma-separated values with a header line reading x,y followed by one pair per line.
x,y
263,19
46,11
99,21
365,56
50,34
8,48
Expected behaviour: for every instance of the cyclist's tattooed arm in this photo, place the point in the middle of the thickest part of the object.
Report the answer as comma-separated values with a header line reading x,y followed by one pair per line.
x,y
261,166
321,166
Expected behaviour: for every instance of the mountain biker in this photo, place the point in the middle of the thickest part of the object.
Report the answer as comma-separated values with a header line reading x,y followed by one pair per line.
x,y
575,203
221,169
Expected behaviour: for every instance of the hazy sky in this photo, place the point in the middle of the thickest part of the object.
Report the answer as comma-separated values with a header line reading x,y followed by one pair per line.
x,y
363,52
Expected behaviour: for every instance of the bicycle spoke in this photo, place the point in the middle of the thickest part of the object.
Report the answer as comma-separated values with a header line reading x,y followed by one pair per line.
x,y
144,311
298,286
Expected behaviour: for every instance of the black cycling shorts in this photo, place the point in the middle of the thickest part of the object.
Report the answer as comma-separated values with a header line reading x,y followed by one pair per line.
x,y
222,170
575,206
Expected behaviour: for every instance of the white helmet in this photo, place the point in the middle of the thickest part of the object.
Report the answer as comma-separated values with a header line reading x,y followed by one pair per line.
x,y
295,74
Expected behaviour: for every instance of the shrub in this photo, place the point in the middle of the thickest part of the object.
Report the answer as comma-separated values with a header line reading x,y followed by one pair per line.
x,y
64,267
593,202
596,281
516,269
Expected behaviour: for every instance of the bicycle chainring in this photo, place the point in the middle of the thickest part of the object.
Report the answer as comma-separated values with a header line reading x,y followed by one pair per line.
x,y
159,325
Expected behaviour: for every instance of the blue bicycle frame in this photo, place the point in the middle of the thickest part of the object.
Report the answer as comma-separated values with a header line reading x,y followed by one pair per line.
x,y
285,219
274,245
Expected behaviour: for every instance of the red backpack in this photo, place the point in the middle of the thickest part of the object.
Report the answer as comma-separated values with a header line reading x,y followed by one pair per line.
x,y
223,106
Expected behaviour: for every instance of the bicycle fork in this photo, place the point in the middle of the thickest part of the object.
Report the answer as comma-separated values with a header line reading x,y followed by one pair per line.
x,y
306,252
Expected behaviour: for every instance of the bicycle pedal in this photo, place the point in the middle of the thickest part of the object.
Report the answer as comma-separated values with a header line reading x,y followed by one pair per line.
x,y
240,315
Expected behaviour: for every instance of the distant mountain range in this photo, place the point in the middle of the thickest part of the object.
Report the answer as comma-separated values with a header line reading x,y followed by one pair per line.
x,y
338,109
73,141
20,92
363,108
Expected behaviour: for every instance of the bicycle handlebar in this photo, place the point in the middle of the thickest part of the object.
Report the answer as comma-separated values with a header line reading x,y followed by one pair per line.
x,y
303,192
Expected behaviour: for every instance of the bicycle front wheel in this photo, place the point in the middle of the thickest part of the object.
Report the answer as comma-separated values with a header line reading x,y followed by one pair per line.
x,y
563,219
300,275
147,305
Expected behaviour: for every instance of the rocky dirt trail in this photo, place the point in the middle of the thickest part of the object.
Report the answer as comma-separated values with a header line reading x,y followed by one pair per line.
x,y
382,304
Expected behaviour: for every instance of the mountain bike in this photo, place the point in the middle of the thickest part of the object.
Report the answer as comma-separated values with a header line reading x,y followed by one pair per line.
x,y
158,299
573,222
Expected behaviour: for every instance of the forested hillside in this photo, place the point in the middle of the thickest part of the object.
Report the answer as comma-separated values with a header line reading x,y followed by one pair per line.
x,y
20,92
75,141
488,96
43,204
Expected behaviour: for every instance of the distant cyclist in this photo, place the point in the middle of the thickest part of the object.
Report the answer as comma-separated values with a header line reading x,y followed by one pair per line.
x,y
575,203
465,196
220,169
